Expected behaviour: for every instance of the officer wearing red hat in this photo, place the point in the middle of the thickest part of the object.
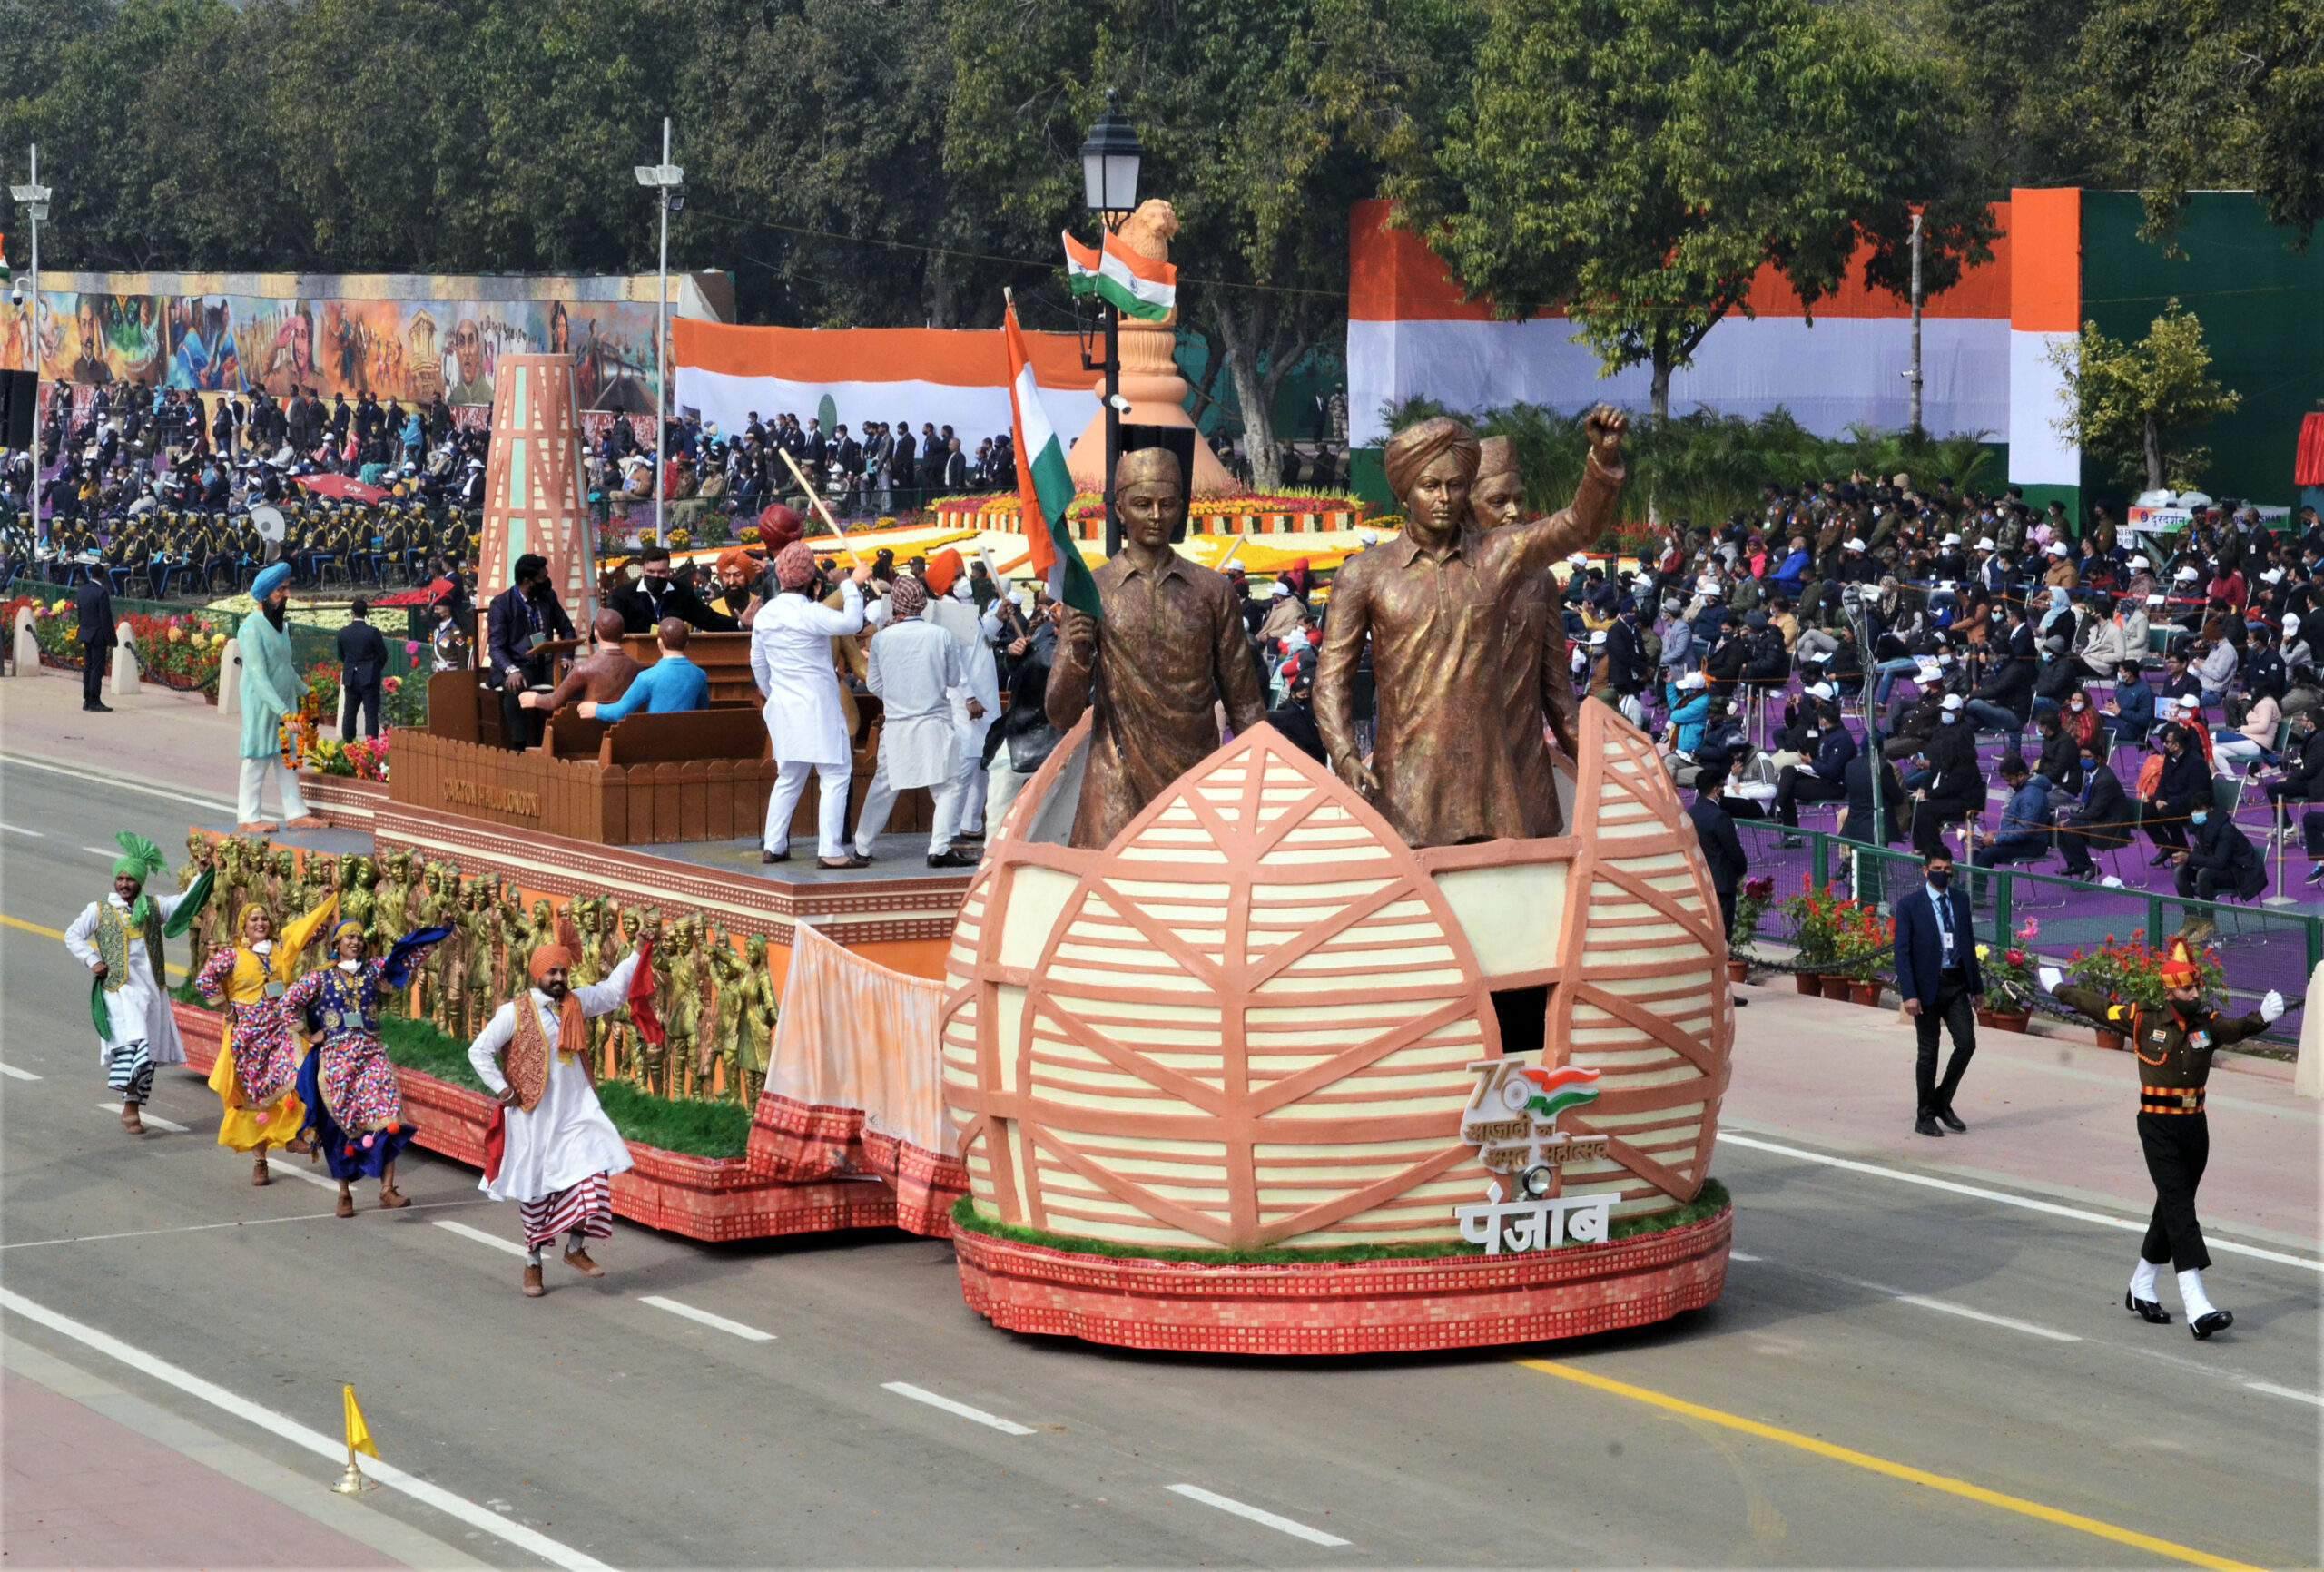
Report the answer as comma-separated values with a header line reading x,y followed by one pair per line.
x,y
2174,1045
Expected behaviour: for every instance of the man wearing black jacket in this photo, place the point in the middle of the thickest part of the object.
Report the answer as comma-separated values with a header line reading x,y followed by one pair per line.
x,y
1022,741
2185,782
362,670
2221,858
521,617
93,604
1954,787
1825,780
655,595
2002,700
2101,818
1722,847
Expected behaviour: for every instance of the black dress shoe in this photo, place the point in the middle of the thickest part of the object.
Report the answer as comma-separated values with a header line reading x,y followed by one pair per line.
x,y
852,859
2146,1310
98,708
2217,1321
2159,858
954,857
765,857
1952,1121
1926,1127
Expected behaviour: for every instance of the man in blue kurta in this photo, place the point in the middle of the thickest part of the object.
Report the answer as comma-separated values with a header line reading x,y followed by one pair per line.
x,y
270,690
672,683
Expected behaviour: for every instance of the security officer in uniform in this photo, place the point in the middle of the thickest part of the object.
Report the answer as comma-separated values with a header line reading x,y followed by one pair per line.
x,y
2174,1047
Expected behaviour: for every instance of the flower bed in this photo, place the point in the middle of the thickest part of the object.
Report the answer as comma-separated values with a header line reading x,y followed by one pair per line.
x,y
175,651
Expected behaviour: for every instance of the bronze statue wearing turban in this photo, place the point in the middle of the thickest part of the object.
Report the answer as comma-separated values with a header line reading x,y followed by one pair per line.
x,y
1170,648
1438,605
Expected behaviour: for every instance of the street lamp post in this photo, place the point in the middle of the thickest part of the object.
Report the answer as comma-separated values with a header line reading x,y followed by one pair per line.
x,y
1109,162
35,197
666,180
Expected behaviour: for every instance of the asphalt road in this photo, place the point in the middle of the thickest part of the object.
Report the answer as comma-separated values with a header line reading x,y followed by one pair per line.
x,y
1898,1375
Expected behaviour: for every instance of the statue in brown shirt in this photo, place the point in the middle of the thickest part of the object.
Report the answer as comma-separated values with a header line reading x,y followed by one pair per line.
x,y
1539,679
601,678
1170,648
1438,605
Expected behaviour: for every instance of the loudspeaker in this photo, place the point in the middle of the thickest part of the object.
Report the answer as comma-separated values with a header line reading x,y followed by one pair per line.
x,y
1179,440
19,403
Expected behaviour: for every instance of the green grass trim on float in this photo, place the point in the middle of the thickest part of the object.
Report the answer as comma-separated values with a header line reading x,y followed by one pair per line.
x,y
966,1219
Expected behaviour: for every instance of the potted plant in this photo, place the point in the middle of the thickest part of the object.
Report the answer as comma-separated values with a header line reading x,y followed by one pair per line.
x,y
2131,972
2009,980
1749,903
1868,950
1813,917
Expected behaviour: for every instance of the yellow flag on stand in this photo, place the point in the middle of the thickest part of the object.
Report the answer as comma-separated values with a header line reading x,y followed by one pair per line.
x,y
359,1434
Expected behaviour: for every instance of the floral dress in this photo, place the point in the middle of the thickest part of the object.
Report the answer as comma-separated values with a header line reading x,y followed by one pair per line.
x,y
257,1073
354,1108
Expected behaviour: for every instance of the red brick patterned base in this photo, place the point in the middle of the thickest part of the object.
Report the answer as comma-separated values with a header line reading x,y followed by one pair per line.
x,y
709,1198
1346,1307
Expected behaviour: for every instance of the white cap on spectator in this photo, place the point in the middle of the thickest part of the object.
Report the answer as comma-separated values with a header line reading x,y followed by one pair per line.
x,y
1580,559
1952,540
2291,623
2140,562
1692,679
2187,576
2057,548
1854,544
1819,690
2273,575
1951,701
1280,590
1986,543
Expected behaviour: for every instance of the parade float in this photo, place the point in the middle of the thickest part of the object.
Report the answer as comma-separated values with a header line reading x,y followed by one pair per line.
x,y
1255,1075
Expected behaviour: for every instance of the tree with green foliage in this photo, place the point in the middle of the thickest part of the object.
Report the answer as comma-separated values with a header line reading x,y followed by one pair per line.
x,y
2181,95
2132,405
1636,162
1250,112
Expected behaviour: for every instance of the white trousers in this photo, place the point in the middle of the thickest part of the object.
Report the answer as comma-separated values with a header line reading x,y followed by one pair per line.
x,y
971,783
880,801
831,808
1001,785
255,772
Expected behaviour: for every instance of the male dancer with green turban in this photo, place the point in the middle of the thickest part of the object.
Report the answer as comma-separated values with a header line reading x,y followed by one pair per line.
x,y
119,940
271,689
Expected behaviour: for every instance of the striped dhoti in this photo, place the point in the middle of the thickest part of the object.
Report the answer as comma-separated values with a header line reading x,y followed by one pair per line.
x,y
128,1071
587,1208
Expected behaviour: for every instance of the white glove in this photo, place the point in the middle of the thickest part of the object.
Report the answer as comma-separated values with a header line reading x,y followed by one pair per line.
x,y
2272,1007
2051,977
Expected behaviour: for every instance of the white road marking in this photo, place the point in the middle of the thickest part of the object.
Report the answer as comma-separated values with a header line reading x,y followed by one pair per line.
x,y
146,1115
2274,1391
749,1333
921,1395
20,830
481,1237
332,1448
1280,1525
205,1227
1738,1255
14,1074
101,851
81,775
2133,1225
289,1168
1949,1308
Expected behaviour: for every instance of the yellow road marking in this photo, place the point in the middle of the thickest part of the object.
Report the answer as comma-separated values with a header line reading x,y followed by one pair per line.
x,y
58,933
1905,1471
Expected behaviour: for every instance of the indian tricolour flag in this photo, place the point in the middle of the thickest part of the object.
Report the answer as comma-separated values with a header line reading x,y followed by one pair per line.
x,y
1044,484
1136,286
1555,1091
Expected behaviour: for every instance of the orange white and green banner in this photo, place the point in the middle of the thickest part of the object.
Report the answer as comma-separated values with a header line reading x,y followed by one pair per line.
x,y
1136,286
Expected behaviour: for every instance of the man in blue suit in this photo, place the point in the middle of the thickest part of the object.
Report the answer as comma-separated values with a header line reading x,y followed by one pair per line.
x,y
672,683
1937,973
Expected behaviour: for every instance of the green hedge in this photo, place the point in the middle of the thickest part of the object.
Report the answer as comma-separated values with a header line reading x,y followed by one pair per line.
x,y
966,1219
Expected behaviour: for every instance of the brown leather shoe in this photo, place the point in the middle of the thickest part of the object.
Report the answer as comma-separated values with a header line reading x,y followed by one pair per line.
x,y
766,856
130,1121
256,827
258,1172
308,821
533,1289
391,1199
346,1206
579,1260
852,859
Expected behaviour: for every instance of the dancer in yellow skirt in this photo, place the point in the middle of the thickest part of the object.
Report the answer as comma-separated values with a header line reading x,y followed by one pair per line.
x,y
257,1073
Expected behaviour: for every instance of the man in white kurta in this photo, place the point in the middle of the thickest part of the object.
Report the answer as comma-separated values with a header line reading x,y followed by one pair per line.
x,y
119,941
558,1157
790,659
914,666
976,703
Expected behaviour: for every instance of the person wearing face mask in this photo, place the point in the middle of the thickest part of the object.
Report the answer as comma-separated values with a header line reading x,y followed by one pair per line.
x,y
655,595
1953,787
1824,779
1937,974
2219,857
2175,1046
2101,816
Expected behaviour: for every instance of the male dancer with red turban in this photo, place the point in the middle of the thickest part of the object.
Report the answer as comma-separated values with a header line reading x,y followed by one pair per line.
x,y
551,1149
